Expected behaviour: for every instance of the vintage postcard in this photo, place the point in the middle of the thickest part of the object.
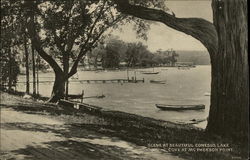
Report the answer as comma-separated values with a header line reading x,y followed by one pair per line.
x,y
124,79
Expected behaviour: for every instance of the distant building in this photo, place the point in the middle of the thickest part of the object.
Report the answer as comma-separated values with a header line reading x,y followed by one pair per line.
x,y
123,64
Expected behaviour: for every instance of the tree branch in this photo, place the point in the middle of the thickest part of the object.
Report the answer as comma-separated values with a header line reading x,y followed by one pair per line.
x,y
83,49
36,42
87,47
201,29
58,42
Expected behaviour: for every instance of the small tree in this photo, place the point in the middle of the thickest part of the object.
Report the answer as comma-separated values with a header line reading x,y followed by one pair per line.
x,y
96,55
173,58
114,52
9,69
135,53
65,28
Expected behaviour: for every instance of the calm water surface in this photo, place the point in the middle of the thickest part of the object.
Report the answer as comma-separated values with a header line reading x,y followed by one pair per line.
x,y
182,87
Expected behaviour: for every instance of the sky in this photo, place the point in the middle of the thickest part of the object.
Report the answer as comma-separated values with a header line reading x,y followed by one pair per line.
x,y
162,37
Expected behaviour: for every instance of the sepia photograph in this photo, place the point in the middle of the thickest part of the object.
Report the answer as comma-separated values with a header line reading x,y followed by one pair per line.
x,y
124,80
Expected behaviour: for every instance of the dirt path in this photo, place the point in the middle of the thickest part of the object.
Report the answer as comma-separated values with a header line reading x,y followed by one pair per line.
x,y
42,136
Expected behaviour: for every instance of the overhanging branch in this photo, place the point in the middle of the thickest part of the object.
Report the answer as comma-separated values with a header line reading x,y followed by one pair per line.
x,y
201,29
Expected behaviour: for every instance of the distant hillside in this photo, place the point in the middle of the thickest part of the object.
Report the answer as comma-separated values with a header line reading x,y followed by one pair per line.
x,y
197,57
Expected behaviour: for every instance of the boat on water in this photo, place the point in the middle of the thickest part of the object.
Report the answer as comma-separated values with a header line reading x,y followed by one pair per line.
x,y
179,107
100,96
150,72
183,67
157,82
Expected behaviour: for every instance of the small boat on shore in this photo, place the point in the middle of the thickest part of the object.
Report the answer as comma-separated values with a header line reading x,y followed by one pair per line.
x,y
207,94
157,82
179,107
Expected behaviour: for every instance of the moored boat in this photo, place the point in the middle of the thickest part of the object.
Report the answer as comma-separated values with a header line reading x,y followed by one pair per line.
x,y
180,107
183,67
157,82
150,72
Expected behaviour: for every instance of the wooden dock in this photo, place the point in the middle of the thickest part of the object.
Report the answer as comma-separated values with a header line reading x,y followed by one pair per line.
x,y
112,81
100,81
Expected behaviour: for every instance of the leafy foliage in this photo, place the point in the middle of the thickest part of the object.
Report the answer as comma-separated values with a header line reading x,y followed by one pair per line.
x,y
9,69
10,27
70,29
63,32
116,52
159,4
167,57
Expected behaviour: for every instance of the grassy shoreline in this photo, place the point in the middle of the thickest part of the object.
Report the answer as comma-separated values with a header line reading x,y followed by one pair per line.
x,y
137,129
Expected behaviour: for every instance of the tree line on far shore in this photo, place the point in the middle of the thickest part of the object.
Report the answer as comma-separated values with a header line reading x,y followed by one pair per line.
x,y
115,53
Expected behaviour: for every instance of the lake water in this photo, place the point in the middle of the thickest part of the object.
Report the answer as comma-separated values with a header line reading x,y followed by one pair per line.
x,y
182,87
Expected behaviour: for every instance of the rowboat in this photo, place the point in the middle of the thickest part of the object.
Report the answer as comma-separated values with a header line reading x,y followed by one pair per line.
x,y
150,72
180,107
100,96
183,67
157,82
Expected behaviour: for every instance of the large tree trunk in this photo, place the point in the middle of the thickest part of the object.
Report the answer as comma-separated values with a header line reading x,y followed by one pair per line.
x,y
66,72
58,91
229,91
59,84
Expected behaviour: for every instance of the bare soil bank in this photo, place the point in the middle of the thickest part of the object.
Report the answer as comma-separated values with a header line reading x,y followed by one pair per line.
x,y
136,129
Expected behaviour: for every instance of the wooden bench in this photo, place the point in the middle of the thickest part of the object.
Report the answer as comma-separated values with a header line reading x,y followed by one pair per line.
x,y
76,96
71,106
